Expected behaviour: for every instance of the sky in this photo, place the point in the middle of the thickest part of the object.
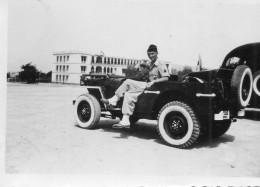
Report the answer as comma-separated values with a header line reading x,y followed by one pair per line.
x,y
182,30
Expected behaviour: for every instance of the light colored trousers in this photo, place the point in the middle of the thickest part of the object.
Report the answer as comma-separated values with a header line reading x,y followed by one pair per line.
x,y
130,90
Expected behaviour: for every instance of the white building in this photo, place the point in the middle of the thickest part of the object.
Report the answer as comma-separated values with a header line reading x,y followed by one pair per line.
x,y
69,66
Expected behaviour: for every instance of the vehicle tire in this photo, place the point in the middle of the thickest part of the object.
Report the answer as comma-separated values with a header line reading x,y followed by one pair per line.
x,y
87,111
178,125
241,85
220,127
256,83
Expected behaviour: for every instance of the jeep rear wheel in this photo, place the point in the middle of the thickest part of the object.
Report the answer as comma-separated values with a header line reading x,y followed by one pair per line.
x,y
241,85
178,125
87,111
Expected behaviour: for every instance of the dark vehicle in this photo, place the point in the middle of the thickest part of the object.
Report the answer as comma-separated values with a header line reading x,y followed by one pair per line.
x,y
205,103
249,55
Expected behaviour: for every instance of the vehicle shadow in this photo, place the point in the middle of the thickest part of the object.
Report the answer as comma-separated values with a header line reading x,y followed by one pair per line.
x,y
139,130
148,131
209,142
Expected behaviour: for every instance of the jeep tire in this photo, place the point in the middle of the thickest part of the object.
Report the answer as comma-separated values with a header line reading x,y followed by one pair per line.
x,y
178,125
256,83
241,85
87,111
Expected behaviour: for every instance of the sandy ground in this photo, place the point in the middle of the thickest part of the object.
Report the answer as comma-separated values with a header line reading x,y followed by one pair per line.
x,y
41,137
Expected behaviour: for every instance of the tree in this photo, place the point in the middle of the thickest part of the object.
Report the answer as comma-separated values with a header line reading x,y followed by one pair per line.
x,y
8,75
29,73
130,71
183,72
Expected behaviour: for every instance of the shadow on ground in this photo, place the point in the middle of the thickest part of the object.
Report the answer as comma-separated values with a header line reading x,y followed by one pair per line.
x,y
148,131
213,142
140,130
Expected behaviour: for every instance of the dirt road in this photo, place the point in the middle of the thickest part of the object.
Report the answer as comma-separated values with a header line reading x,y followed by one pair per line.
x,y
41,137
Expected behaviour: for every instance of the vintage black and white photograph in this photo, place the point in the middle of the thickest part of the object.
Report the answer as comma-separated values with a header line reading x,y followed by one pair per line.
x,y
132,93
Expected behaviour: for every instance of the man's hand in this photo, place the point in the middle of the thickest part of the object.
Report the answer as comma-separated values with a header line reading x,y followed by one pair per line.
x,y
149,84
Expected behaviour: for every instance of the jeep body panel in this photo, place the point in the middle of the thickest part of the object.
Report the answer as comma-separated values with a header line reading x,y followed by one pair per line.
x,y
150,102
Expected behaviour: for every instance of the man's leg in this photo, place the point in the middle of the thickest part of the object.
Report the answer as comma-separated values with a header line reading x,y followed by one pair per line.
x,y
127,86
130,85
130,98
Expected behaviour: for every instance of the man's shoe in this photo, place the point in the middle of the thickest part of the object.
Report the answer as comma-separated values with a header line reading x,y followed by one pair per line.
x,y
105,101
120,126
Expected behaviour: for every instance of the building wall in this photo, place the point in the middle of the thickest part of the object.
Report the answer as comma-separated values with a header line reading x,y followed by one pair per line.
x,y
67,67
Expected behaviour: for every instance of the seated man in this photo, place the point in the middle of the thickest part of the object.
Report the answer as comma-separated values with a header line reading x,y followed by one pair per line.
x,y
131,89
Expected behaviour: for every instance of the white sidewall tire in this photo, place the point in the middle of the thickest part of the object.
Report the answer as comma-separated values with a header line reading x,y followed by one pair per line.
x,y
165,136
249,73
256,79
79,122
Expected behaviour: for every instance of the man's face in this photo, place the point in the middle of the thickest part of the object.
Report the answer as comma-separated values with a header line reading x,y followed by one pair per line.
x,y
152,55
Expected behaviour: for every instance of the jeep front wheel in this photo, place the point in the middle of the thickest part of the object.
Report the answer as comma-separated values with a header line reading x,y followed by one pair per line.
x,y
178,125
87,111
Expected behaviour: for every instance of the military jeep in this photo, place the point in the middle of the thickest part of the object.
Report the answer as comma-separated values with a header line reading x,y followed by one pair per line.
x,y
204,103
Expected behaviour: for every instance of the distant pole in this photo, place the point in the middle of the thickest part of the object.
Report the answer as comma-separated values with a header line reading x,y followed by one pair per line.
x,y
199,64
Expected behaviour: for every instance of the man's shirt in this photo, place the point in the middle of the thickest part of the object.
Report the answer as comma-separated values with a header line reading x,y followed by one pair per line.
x,y
157,70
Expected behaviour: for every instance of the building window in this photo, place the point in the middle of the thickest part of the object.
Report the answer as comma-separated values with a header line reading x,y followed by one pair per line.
x,y
57,68
60,58
83,59
83,69
99,59
63,68
92,69
67,77
108,62
98,69
57,78
57,58
67,68
105,70
92,59
68,58
60,68
105,60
